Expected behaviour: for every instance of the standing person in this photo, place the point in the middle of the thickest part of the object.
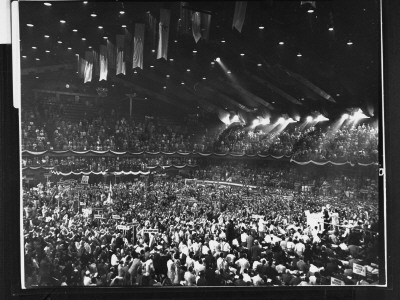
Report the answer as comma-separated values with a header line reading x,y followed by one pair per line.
x,y
249,242
230,232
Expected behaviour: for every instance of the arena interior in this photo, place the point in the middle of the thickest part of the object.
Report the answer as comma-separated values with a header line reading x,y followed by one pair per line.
x,y
201,143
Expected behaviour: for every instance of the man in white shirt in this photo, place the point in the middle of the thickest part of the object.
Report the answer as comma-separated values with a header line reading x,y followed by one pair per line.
x,y
243,263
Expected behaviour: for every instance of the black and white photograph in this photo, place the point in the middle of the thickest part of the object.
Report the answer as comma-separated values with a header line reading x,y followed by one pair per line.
x,y
201,144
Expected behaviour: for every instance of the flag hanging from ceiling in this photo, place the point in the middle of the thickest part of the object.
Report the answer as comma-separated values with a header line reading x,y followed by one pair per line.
x,y
82,65
205,25
96,64
165,16
151,26
128,49
103,63
138,41
312,3
120,54
196,26
111,51
185,19
239,15
88,66
78,64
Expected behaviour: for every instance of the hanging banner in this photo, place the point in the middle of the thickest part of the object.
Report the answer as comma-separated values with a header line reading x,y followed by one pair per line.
x,y
205,25
138,42
120,54
359,269
196,26
239,15
96,64
151,27
165,16
127,48
103,63
111,51
335,281
85,179
88,66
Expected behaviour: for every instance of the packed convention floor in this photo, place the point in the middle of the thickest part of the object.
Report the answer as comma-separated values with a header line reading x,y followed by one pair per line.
x,y
350,142
164,230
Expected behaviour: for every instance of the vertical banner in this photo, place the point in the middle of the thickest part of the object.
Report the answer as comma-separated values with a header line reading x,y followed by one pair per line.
x,y
205,26
111,51
103,63
165,16
185,19
239,15
128,49
138,42
88,66
196,26
151,26
82,65
96,64
120,54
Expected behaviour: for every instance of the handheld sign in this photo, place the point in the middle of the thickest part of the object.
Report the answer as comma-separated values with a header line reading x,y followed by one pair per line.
x,y
116,217
82,203
150,231
359,269
335,281
85,179
98,216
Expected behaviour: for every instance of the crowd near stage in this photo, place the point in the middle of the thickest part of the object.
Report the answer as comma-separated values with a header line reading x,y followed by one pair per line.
x,y
201,144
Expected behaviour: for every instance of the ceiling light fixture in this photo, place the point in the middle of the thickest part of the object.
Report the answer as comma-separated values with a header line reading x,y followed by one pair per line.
x,y
60,42
165,87
349,43
37,58
188,70
153,50
310,11
83,39
204,78
330,28
121,12
171,59
223,41
47,51
34,47
261,27
167,75
281,43
47,4
90,47
46,36
135,72
29,25
241,54
194,51
93,15
75,30
23,56
63,21
151,66
259,65
299,54
123,26
85,2
100,27
182,83
229,72
104,37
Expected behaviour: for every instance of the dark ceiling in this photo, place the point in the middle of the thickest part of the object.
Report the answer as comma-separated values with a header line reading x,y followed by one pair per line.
x,y
329,77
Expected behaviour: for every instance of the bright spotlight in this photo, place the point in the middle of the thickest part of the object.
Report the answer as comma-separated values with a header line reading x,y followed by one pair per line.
x,y
256,122
358,115
265,121
345,116
321,118
309,119
235,118
281,120
217,59
290,120
297,118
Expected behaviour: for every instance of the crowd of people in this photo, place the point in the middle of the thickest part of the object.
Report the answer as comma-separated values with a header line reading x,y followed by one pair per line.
x,y
167,231
46,129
